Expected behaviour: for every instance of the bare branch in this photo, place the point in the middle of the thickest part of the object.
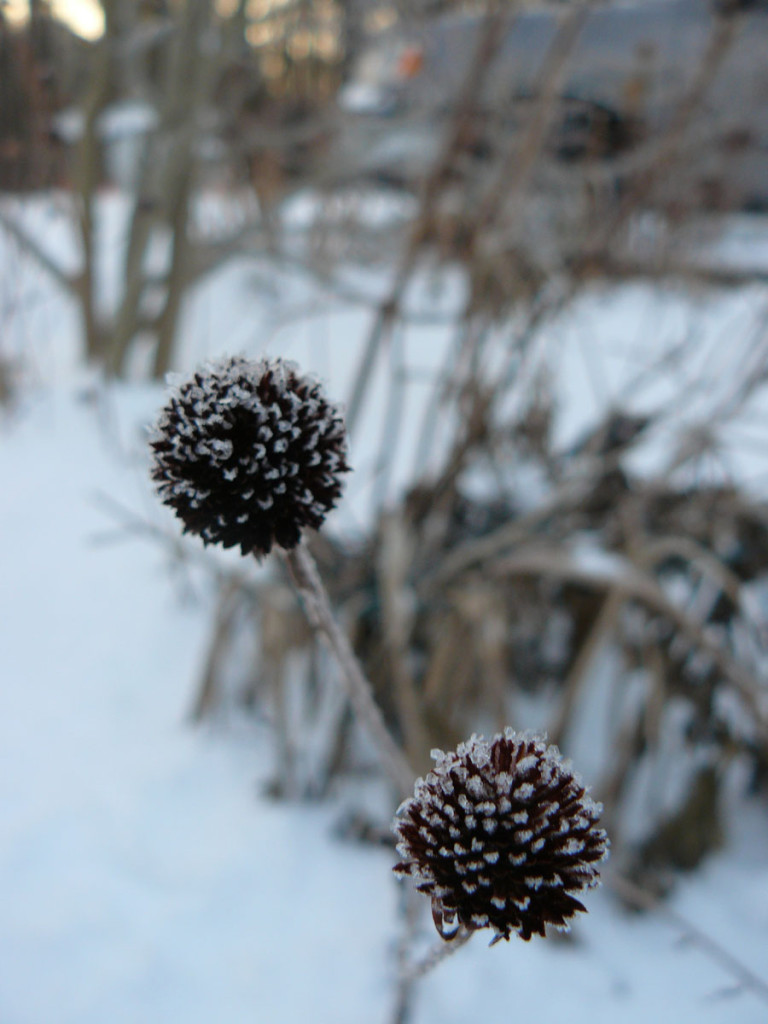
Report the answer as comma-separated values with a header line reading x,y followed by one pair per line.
x,y
36,251
645,900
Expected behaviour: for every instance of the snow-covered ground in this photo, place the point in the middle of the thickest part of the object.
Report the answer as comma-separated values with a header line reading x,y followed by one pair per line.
x,y
144,876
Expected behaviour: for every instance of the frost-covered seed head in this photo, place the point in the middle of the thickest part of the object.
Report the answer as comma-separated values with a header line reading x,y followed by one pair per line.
x,y
530,874
249,453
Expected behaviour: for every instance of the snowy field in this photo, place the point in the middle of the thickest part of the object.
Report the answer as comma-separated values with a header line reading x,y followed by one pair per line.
x,y
144,876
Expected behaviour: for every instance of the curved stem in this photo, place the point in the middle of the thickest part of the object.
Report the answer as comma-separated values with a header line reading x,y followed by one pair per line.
x,y
411,975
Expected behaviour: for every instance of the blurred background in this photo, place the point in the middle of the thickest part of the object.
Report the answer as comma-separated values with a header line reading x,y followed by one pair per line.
x,y
526,245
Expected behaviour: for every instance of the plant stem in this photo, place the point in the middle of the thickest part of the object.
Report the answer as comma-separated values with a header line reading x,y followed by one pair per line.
x,y
410,976
306,579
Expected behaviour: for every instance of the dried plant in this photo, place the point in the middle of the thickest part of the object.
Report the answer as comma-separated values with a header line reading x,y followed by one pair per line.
x,y
249,454
501,834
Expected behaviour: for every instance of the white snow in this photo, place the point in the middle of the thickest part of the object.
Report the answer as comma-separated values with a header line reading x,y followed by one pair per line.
x,y
143,876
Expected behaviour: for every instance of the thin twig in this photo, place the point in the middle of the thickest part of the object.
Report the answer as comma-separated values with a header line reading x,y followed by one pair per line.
x,y
412,974
671,143
396,552
601,629
518,164
630,583
439,952
36,251
488,43
307,580
645,900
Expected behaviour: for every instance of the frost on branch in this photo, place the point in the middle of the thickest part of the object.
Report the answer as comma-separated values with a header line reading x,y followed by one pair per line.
x,y
501,834
249,453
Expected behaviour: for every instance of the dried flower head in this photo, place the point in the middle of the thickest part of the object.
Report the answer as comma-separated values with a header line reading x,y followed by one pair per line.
x,y
249,453
500,834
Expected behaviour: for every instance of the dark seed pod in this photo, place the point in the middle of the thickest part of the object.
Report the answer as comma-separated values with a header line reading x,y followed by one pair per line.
x,y
501,834
249,453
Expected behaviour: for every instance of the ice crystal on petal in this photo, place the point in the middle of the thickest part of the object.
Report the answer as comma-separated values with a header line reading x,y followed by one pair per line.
x,y
573,845
523,878
230,454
